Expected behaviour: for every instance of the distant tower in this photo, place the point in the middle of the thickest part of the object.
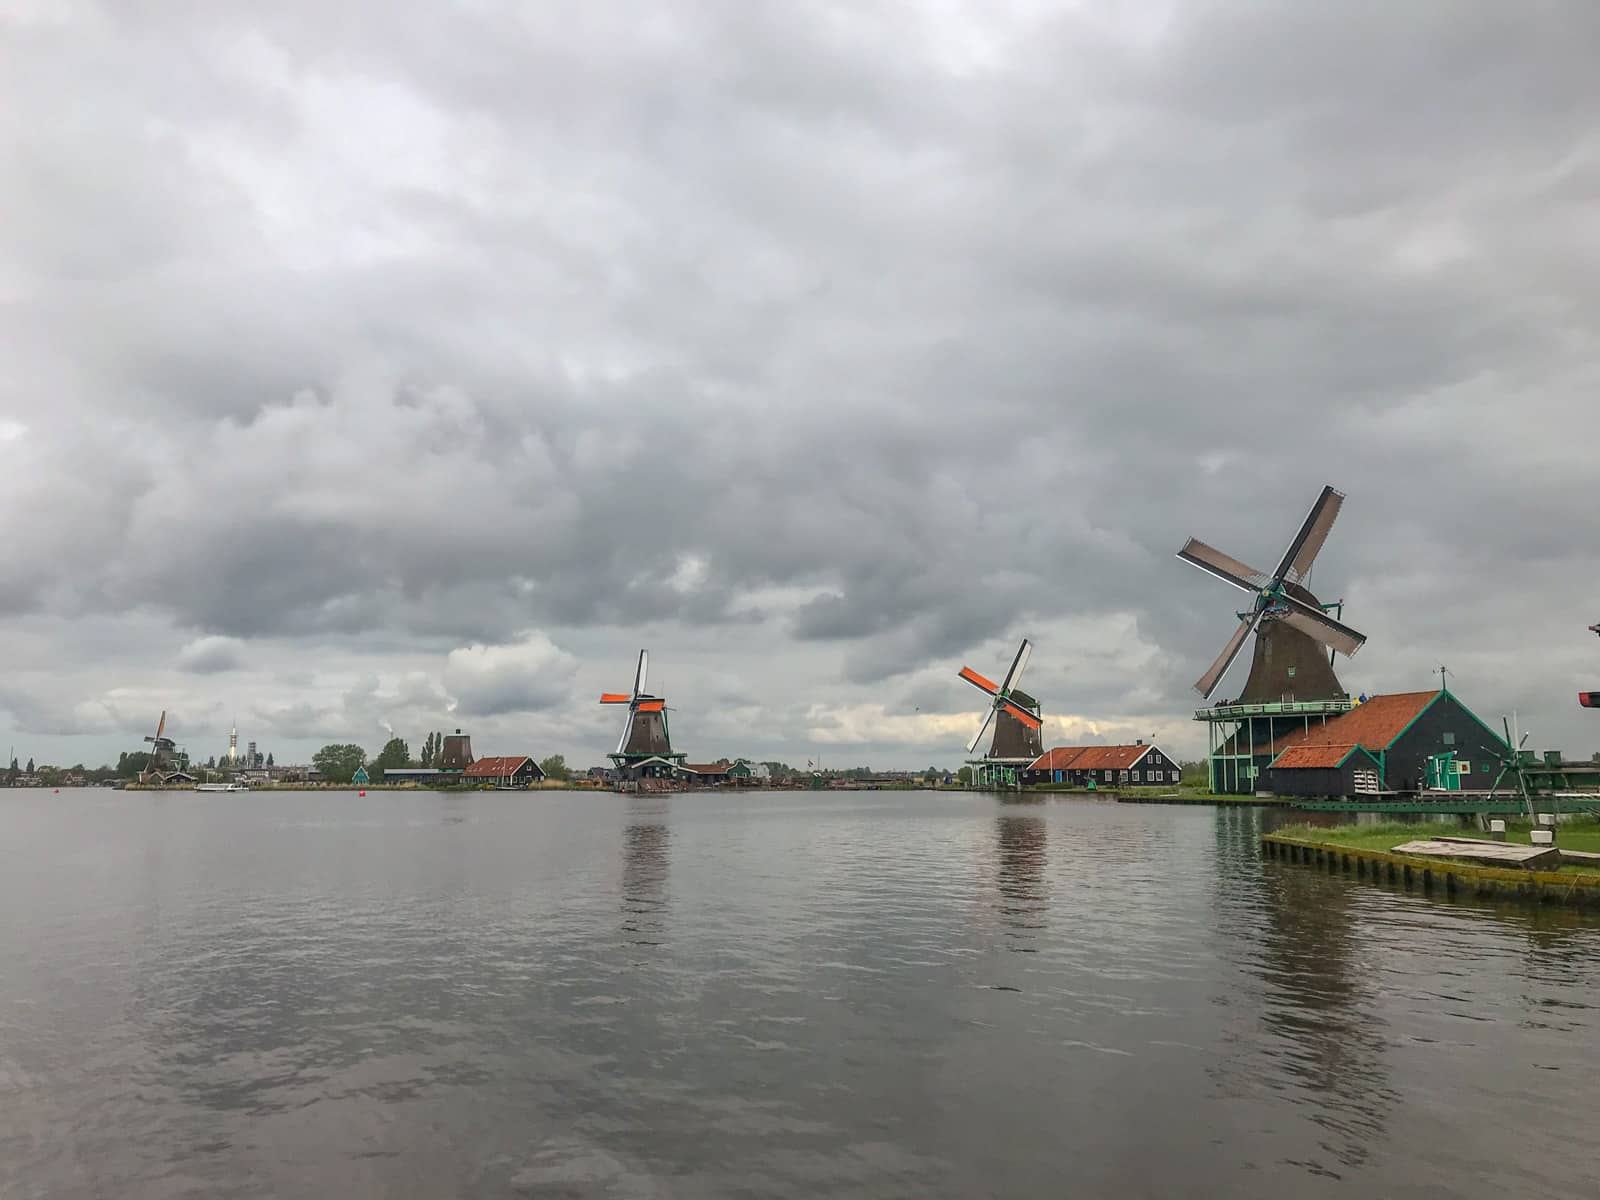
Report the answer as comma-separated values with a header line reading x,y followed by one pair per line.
x,y
456,753
250,759
233,745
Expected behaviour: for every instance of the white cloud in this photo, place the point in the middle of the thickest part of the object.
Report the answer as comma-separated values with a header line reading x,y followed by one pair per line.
x,y
525,676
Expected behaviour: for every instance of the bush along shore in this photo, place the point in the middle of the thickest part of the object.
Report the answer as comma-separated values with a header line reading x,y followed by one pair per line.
x,y
1373,852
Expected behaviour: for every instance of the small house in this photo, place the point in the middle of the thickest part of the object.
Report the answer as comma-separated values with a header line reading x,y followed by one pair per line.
x,y
1138,765
709,774
360,778
507,771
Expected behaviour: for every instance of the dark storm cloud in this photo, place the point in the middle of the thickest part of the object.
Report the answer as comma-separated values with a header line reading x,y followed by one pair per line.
x,y
393,332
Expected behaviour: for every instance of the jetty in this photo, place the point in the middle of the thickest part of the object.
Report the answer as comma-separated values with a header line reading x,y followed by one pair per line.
x,y
1450,876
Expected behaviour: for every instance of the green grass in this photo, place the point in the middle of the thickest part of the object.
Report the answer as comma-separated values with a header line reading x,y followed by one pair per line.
x,y
1580,834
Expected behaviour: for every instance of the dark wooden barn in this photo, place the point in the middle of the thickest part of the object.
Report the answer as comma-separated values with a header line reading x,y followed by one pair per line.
x,y
1138,765
1401,732
1325,772
506,771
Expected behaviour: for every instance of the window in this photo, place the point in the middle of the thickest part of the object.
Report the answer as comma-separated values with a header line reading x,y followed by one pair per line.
x,y
1463,768
1108,776
1136,777
1176,777
1449,738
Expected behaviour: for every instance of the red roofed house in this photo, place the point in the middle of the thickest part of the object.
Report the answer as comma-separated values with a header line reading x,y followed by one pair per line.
x,y
510,771
1393,736
1138,765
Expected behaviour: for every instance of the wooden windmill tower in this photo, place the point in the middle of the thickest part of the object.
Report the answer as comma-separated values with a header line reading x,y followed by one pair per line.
x,y
163,761
644,751
1291,683
1017,725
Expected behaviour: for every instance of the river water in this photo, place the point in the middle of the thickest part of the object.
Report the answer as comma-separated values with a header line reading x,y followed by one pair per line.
x,y
849,994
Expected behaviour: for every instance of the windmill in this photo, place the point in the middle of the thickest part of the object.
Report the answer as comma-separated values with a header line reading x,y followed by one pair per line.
x,y
1292,627
1514,764
163,754
645,747
1017,723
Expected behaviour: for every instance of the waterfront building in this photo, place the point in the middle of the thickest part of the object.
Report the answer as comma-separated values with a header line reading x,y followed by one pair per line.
x,y
506,771
417,775
1397,734
709,774
1138,765
361,777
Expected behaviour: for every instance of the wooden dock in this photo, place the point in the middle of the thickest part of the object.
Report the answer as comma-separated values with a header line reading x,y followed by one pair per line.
x,y
1488,854
1442,876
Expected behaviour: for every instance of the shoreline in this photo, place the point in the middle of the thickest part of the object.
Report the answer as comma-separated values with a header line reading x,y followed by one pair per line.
x,y
1435,876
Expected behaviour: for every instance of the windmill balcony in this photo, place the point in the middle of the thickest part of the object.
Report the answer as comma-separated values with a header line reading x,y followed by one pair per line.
x,y
1282,708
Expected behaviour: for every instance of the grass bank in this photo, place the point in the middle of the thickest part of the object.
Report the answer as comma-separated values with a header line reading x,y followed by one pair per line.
x,y
1580,834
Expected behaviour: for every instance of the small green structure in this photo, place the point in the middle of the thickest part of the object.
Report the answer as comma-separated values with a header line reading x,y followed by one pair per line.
x,y
360,777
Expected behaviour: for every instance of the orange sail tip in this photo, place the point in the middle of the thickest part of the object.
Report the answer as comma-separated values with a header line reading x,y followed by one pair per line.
x,y
652,705
614,698
972,676
1023,715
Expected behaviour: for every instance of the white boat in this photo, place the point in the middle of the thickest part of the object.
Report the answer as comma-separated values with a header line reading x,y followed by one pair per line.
x,y
222,787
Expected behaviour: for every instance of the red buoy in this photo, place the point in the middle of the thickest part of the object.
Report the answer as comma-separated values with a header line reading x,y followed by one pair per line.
x,y
361,793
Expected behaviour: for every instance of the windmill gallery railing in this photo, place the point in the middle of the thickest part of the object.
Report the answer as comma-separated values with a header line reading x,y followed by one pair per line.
x,y
1285,708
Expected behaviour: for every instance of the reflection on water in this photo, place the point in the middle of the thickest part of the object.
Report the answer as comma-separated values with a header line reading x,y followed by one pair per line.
x,y
645,842
879,994
1021,872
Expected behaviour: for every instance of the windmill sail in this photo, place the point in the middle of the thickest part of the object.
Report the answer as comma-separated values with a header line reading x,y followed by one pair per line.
x,y
1013,713
1294,633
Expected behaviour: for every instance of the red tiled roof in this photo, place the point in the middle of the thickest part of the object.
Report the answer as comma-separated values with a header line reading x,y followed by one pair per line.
x,y
1090,758
707,768
495,768
1314,756
1058,759
1109,758
1373,725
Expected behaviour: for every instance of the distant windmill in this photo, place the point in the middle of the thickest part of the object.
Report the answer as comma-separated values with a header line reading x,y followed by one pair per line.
x,y
645,735
163,754
1292,627
1015,714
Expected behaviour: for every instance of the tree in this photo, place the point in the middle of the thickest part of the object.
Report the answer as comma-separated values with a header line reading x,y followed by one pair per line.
x,y
129,766
395,753
269,758
430,748
555,767
964,775
336,763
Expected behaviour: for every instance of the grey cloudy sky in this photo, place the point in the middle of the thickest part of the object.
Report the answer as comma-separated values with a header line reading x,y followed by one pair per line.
x,y
416,364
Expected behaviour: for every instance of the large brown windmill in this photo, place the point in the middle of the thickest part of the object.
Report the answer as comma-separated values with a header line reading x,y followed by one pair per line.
x,y
1291,682
1295,636
645,747
1017,724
